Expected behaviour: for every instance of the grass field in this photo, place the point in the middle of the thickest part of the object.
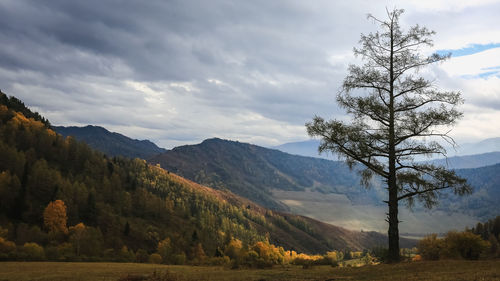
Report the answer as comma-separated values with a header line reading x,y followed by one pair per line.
x,y
440,270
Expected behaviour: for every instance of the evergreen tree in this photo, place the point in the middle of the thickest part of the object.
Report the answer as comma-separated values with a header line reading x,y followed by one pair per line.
x,y
397,115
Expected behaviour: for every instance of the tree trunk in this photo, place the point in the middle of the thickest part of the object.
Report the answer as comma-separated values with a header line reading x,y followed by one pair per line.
x,y
393,233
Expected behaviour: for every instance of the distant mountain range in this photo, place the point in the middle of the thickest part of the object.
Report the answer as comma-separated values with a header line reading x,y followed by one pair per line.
x,y
310,148
484,146
304,148
111,144
469,161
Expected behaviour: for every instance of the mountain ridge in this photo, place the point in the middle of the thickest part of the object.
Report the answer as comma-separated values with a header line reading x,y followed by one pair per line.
x,y
253,171
111,143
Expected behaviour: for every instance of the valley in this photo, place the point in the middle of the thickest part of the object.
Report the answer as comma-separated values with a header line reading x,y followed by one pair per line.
x,y
337,209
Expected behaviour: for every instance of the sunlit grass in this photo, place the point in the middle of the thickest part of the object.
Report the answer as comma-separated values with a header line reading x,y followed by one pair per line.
x,y
439,270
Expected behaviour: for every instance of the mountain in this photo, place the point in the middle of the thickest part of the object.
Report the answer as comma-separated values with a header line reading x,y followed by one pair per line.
x,y
121,209
469,161
112,144
255,172
484,146
307,148
484,202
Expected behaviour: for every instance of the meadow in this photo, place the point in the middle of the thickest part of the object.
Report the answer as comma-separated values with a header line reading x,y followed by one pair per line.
x,y
63,271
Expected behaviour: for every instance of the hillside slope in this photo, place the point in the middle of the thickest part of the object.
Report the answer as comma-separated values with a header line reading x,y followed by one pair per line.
x,y
110,143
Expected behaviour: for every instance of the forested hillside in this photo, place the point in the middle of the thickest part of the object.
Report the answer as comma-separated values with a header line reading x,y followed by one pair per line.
x,y
122,209
110,143
484,201
253,171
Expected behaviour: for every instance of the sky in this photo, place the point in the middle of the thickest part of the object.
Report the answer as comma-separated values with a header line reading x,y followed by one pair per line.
x,y
179,72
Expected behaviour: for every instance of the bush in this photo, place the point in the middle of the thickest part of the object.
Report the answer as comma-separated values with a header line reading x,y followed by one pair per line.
x,y
6,246
430,247
141,256
66,251
33,251
7,249
380,253
417,258
179,259
155,258
466,245
52,253
218,261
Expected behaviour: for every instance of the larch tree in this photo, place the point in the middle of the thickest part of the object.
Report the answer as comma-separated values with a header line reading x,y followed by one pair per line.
x,y
397,115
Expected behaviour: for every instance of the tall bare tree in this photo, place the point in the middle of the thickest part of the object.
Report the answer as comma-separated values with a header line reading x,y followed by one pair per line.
x,y
397,115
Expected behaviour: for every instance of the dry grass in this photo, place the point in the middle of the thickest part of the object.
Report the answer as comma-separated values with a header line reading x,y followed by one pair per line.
x,y
440,270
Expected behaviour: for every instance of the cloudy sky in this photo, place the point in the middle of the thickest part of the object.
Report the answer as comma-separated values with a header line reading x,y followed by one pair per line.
x,y
178,72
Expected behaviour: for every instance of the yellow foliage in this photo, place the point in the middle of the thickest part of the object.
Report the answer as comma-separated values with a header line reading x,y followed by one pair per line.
x,y
6,246
155,258
332,256
33,251
417,258
164,248
77,233
233,248
54,217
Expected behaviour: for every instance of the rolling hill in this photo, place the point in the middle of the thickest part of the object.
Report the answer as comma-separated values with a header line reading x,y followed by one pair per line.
x,y
110,143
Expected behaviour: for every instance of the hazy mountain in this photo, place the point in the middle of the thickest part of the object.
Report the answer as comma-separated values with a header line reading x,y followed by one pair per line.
x,y
310,148
469,161
254,172
484,146
110,143
304,148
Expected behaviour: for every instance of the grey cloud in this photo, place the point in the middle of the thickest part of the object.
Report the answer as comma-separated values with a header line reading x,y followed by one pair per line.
x,y
72,61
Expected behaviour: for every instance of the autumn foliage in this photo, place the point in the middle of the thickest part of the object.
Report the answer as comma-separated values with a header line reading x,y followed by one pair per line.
x,y
54,217
455,245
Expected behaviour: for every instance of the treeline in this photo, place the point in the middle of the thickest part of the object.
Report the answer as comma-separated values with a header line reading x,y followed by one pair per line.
x,y
118,209
489,230
19,106
482,241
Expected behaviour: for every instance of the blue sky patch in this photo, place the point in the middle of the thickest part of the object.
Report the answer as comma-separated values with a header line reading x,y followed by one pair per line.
x,y
483,75
472,49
